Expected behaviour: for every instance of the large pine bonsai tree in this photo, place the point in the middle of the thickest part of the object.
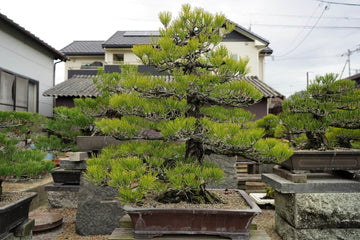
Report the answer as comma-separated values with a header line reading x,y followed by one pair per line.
x,y
193,110
328,109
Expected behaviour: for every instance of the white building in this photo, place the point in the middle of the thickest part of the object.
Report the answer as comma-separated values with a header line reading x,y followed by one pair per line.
x,y
26,69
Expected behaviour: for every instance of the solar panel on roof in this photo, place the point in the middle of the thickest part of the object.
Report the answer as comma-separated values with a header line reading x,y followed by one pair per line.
x,y
140,33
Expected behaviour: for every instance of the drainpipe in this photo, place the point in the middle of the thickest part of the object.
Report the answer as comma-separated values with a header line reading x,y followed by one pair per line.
x,y
63,60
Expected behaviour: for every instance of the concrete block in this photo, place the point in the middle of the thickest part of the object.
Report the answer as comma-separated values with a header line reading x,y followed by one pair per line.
x,y
228,165
288,232
73,165
316,183
78,156
25,229
62,199
319,210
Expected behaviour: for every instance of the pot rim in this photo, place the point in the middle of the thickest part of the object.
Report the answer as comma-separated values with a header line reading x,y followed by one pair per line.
x,y
254,207
12,204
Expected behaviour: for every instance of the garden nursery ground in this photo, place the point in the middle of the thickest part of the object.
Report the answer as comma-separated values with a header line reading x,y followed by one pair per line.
x,y
264,221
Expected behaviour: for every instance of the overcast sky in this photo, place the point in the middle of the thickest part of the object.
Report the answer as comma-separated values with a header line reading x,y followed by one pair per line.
x,y
305,35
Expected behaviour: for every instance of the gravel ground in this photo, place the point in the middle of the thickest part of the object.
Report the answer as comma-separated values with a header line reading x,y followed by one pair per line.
x,y
264,221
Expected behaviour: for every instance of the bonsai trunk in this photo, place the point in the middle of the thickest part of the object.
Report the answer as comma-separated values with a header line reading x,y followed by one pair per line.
x,y
316,140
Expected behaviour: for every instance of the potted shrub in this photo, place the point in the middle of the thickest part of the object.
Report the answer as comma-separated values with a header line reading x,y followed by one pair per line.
x,y
320,120
17,164
168,124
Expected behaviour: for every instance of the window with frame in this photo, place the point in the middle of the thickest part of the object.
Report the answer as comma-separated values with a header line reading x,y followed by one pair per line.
x,y
18,93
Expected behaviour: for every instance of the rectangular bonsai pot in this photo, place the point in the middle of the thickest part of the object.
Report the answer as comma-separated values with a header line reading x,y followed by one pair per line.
x,y
67,176
232,223
94,143
323,160
14,214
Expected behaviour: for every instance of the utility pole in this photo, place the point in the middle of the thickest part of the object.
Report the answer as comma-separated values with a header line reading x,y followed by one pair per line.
x,y
307,79
348,54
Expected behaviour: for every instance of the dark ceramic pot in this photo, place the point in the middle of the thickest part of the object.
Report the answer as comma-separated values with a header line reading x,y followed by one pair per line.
x,y
235,224
67,177
94,143
14,214
323,160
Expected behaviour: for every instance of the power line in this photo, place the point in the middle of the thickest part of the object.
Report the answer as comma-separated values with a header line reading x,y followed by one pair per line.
x,y
304,26
304,16
312,28
340,3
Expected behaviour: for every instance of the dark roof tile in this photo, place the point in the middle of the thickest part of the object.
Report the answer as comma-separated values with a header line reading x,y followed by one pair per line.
x,y
129,38
77,86
84,48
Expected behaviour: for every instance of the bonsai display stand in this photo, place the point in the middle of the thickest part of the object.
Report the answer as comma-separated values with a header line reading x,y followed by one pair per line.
x,y
325,207
62,196
64,193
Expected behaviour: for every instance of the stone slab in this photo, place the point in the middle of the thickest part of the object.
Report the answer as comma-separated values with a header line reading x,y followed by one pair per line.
x,y
78,156
293,177
62,187
288,232
46,220
74,165
62,199
127,234
319,210
228,164
316,183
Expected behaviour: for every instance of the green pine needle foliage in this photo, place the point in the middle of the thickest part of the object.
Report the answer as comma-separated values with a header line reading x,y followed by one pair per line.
x,y
312,114
172,121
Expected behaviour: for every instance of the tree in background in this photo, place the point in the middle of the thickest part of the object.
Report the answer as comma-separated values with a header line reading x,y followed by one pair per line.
x,y
318,114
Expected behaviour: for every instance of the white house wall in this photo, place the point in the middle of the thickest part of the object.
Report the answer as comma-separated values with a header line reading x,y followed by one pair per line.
x,y
129,56
19,55
246,49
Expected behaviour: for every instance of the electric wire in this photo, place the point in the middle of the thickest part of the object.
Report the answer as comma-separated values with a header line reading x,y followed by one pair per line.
x,y
340,3
312,28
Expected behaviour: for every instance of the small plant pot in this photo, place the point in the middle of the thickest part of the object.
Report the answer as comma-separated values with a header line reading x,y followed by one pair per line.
x,y
67,177
306,160
15,213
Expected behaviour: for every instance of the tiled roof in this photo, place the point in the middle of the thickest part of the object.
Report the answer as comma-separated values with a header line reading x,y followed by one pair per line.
x,y
53,51
84,48
83,86
129,38
266,90
77,86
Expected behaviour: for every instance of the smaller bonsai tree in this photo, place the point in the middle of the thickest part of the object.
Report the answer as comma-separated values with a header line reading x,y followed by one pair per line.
x,y
69,123
21,125
18,163
326,106
168,124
